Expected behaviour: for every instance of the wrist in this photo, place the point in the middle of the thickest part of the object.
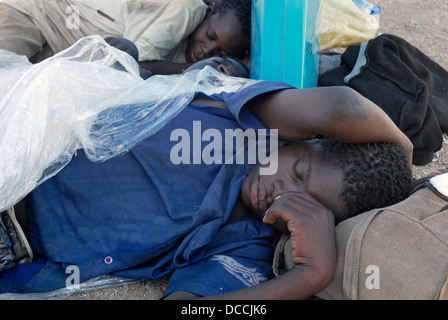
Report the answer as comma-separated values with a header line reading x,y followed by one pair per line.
x,y
313,279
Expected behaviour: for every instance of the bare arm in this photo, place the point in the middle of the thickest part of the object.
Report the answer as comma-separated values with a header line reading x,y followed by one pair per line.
x,y
312,231
336,112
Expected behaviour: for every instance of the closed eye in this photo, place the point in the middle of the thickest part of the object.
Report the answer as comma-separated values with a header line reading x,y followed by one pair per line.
x,y
302,169
210,36
296,171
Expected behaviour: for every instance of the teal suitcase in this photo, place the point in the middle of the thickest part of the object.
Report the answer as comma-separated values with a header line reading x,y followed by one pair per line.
x,y
285,41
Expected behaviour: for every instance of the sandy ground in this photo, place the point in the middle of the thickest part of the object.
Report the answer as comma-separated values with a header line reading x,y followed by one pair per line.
x,y
422,23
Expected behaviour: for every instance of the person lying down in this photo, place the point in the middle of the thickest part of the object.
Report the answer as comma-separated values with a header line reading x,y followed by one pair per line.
x,y
183,203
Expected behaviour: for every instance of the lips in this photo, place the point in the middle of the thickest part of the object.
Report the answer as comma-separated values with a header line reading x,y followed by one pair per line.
x,y
193,57
258,196
254,195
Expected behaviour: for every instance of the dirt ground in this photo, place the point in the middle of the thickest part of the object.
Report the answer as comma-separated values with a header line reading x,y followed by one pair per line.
x,y
422,23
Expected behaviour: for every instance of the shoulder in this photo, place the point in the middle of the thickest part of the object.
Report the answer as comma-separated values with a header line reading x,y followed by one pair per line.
x,y
193,6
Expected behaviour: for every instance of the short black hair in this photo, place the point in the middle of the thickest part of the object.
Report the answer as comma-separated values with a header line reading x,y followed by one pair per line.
x,y
376,175
243,11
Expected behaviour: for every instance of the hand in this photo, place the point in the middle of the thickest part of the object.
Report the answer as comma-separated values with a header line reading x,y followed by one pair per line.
x,y
124,45
314,250
312,229
130,48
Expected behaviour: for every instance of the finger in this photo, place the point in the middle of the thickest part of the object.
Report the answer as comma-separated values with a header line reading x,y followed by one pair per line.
x,y
290,201
304,197
274,213
292,208
276,222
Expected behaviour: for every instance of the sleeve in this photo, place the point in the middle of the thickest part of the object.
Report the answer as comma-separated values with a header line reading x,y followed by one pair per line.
x,y
236,101
239,256
158,27
217,275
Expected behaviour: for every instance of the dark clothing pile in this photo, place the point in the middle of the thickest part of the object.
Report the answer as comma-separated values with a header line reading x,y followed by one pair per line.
x,y
409,86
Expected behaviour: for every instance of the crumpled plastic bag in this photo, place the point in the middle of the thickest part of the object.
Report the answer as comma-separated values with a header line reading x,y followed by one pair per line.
x,y
50,110
344,24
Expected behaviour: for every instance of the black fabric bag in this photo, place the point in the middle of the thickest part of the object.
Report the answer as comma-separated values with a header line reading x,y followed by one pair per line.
x,y
409,86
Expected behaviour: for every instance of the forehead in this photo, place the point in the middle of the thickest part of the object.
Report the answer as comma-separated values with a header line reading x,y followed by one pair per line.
x,y
326,180
225,24
323,179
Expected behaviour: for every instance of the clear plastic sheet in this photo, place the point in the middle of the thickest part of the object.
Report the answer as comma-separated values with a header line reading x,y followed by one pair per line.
x,y
89,96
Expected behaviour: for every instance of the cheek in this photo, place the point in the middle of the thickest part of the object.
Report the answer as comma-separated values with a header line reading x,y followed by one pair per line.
x,y
200,34
327,193
192,42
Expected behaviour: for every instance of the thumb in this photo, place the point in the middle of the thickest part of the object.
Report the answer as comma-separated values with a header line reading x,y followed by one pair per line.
x,y
270,217
276,219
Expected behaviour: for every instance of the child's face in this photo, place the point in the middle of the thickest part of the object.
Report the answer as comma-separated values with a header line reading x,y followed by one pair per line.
x,y
216,36
301,168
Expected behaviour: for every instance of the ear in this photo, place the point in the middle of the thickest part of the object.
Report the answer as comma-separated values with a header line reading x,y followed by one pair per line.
x,y
246,61
210,6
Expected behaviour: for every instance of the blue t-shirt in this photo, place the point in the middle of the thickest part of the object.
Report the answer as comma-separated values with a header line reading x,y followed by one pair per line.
x,y
139,215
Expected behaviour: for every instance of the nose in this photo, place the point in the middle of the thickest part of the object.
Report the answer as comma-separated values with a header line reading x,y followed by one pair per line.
x,y
281,186
208,50
278,187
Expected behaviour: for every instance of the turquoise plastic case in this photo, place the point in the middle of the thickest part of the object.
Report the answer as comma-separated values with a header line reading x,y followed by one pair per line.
x,y
285,41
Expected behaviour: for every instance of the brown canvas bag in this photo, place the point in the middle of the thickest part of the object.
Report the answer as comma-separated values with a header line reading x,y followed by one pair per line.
x,y
394,253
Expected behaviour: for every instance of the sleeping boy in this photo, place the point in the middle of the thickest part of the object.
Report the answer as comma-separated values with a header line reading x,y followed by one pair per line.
x,y
143,215
176,31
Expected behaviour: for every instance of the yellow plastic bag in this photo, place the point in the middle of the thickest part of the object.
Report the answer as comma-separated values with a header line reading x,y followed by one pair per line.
x,y
344,24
